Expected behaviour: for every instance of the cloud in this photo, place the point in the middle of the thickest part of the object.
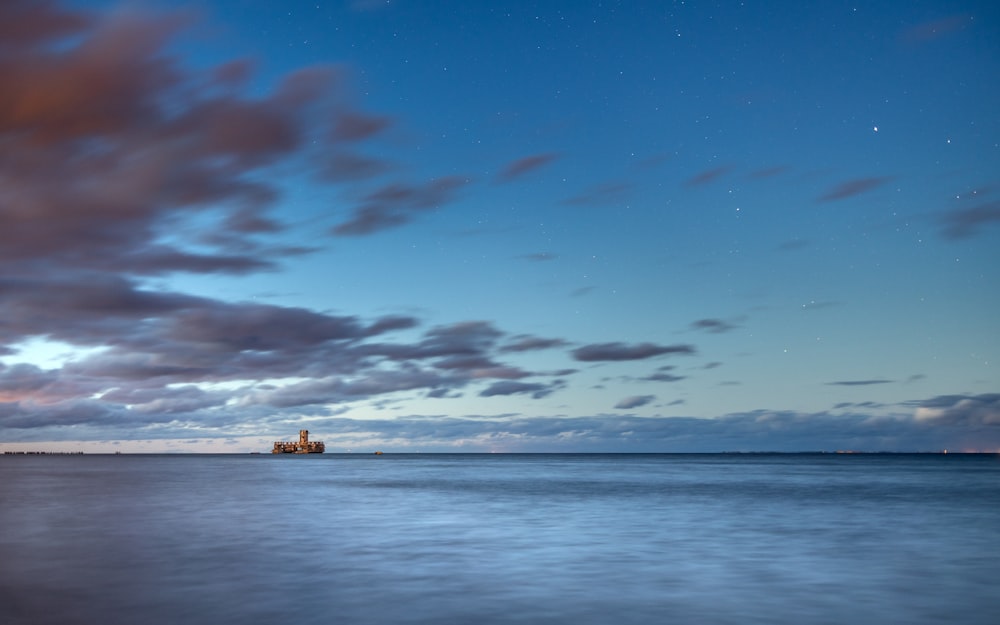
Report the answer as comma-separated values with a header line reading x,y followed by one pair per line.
x,y
397,204
26,22
522,166
662,377
707,176
597,352
153,350
539,256
525,343
955,422
860,382
754,431
115,178
715,326
850,188
536,390
969,222
606,194
634,402
465,338
355,126
345,166
960,410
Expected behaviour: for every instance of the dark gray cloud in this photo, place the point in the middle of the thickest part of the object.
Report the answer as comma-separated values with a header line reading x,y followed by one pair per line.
x,y
526,343
598,352
153,343
662,377
715,326
634,401
860,382
536,390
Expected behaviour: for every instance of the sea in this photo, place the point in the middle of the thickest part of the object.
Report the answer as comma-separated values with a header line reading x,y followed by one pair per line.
x,y
500,539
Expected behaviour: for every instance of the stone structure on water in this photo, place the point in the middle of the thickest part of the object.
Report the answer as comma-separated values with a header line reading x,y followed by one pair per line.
x,y
302,446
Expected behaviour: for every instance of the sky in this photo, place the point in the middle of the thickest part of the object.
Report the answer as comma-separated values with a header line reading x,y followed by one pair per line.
x,y
549,226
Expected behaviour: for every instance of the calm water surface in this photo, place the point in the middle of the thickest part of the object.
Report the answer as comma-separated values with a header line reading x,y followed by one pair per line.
x,y
588,539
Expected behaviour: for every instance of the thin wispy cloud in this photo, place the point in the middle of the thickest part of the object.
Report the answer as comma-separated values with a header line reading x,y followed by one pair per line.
x,y
932,30
522,166
526,343
969,222
397,204
634,402
662,376
598,352
707,176
851,188
606,194
713,326
539,256
860,382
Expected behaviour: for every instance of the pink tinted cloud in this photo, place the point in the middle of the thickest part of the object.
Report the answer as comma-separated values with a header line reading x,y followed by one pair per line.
x,y
113,146
32,22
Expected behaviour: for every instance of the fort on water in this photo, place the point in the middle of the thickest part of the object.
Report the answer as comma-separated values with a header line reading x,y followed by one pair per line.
x,y
301,446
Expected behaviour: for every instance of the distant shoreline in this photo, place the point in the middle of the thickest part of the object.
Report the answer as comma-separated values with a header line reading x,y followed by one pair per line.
x,y
527,453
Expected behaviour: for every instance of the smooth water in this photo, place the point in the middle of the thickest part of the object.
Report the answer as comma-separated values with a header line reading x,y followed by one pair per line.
x,y
484,539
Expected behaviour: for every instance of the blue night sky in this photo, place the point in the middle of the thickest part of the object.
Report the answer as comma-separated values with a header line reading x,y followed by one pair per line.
x,y
485,226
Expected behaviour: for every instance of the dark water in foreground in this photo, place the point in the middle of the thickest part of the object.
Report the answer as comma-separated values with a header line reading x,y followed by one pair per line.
x,y
483,539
